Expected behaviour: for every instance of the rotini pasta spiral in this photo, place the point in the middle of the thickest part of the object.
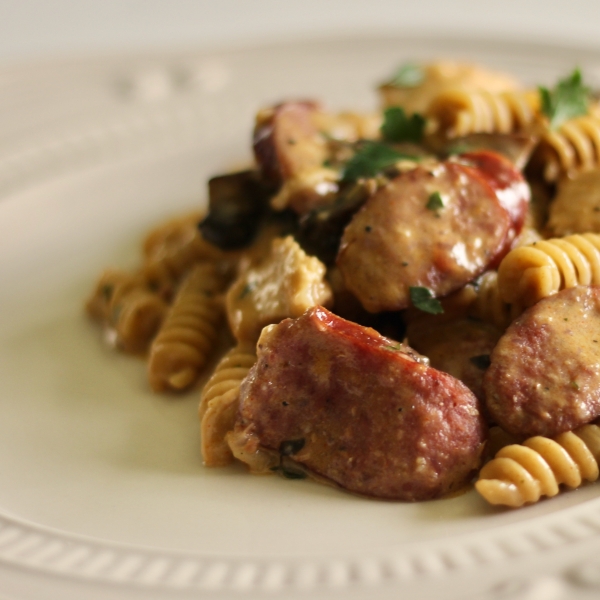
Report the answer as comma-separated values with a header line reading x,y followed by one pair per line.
x,y
460,112
172,249
523,473
530,273
435,78
186,338
573,148
130,312
489,306
219,402
575,208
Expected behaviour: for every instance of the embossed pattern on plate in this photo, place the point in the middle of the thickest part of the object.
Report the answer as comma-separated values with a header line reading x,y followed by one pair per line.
x,y
106,485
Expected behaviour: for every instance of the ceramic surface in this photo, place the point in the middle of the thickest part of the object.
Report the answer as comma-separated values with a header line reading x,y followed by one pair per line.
x,y
103,493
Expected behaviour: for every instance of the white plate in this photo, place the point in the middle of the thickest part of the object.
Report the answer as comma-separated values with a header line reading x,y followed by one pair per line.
x,y
102,490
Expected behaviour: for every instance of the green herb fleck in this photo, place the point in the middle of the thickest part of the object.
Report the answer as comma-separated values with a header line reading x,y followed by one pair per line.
x,y
435,201
290,447
408,75
249,287
397,127
290,474
394,347
458,148
370,159
404,263
574,385
568,99
423,299
482,361
107,291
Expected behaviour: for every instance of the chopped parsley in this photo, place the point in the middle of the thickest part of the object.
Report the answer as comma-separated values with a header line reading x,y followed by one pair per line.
x,y
423,299
248,288
398,127
482,361
370,159
408,75
290,447
107,291
395,347
292,474
288,473
435,201
568,99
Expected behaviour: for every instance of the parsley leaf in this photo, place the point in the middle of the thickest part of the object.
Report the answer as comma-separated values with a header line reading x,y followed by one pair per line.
x,y
567,100
423,299
290,447
290,474
248,288
408,75
397,127
395,348
435,202
370,159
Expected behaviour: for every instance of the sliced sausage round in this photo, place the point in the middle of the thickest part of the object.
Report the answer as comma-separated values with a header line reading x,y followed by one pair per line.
x,y
429,227
512,190
359,410
544,376
286,140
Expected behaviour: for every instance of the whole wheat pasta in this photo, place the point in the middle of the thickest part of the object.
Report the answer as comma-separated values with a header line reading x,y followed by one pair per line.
x,y
573,148
460,112
219,404
576,207
171,249
186,339
523,473
130,312
488,304
530,273
415,86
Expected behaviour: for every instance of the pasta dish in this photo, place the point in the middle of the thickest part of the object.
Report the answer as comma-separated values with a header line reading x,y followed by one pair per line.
x,y
411,295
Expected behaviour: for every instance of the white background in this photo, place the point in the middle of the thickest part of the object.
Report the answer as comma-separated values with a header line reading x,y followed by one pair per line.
x,y
54,28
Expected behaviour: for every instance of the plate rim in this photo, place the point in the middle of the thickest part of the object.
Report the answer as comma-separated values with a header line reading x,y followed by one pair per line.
x,y
40,548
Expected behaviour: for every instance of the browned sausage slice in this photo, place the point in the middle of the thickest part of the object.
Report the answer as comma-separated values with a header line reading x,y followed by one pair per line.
x,y
396,242
286,140
509,184
544,376
352,407
507,181
291,149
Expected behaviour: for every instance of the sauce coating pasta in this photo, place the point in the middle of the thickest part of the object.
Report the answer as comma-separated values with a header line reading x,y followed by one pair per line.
x,y
354,238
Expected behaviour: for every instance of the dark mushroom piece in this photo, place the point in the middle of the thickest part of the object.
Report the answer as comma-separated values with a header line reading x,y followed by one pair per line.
x,y
237,201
